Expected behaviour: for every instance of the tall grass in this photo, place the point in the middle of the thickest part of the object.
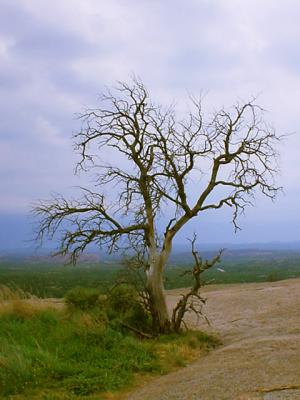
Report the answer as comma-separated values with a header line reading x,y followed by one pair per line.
x,y
49,350
53,354
14,300
8,293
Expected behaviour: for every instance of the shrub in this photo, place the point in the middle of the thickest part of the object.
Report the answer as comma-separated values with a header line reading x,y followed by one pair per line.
x,y
123,298
125,306
273,276
85,299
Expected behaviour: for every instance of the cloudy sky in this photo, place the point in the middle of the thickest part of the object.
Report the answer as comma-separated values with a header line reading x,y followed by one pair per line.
x,y
57,56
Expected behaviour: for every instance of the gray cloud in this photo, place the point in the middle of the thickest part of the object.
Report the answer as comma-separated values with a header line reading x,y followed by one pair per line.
x,y
55,57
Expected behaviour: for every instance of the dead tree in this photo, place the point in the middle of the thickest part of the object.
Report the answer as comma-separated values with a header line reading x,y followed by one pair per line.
x,y
188,166
192,301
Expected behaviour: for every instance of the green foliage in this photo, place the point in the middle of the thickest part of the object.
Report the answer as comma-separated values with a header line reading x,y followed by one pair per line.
x,y
122,298
80,353
80,298
55,280
51,352
124,306
273,276
239,270
48,280
192,338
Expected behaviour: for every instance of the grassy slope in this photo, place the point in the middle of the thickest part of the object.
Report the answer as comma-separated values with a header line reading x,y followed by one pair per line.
x,y
48,354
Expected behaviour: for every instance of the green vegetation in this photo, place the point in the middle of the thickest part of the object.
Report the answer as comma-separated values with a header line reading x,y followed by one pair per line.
x,y
54,280
74,353
87,348
238,272
84,299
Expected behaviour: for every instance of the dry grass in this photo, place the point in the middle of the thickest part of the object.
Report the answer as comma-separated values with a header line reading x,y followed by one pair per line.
x,y
13,293
14,300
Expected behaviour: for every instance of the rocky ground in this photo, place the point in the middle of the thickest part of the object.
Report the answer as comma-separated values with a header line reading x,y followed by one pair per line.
x,y
259,325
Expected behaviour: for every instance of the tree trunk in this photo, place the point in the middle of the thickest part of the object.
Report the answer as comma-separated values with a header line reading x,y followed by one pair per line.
x,y
158,304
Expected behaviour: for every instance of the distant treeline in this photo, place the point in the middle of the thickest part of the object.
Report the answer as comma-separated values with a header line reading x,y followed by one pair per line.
x,y
54,280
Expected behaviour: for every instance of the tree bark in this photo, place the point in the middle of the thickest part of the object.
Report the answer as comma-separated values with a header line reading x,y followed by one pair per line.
x,y
158,304
155,288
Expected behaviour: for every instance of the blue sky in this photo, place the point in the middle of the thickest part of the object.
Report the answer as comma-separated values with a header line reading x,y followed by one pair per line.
x,y
56,57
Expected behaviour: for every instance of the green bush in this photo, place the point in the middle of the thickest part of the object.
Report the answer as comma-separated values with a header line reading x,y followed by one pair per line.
x,y
121,306
122,298
273,277
124,305
85,299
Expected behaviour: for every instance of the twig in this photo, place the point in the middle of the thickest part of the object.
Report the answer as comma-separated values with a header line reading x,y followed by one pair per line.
x,y
141,334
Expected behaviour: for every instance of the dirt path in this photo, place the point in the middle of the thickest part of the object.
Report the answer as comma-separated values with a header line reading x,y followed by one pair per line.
x,y
260,358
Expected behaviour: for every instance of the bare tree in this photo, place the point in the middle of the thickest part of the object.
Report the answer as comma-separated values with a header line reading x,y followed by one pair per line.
x,y
155,159
192,301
